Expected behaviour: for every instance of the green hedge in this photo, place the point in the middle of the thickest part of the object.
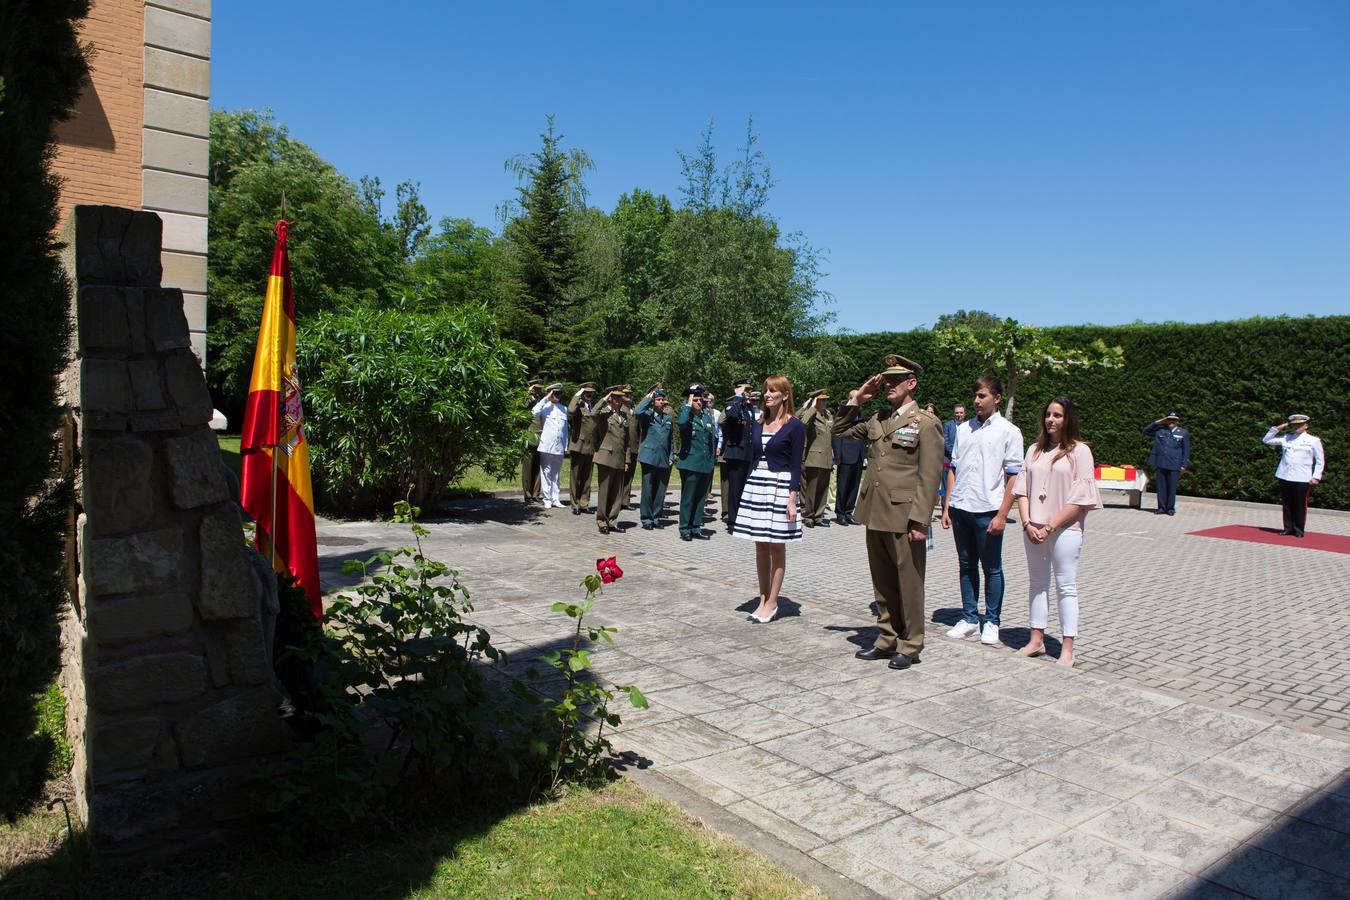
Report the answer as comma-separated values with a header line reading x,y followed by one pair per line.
x,y
1229,380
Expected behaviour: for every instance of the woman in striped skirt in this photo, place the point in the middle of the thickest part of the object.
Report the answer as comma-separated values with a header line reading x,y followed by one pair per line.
x,y
768,510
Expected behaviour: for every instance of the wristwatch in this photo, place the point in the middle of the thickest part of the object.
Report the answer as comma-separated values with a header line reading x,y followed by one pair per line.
x,y
1049,529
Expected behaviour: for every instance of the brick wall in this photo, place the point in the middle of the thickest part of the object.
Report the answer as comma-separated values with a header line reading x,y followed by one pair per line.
x,y
99,152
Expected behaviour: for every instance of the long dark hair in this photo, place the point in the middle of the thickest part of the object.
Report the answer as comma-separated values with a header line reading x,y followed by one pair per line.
x,y
1068,433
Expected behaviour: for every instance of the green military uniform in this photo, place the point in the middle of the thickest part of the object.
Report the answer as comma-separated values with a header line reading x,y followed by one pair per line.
x,y
818,461
580,448
611,457
904,468
529,462
698,450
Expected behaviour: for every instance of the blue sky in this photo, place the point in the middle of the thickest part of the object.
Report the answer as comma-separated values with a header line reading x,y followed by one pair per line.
x,y
1060,162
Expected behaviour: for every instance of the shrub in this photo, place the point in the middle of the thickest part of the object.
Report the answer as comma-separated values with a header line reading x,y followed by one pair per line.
x,y
399,404
41,70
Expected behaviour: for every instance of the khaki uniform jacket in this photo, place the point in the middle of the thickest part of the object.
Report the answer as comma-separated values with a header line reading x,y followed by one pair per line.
x,y
634,434
904,465
580,428
611,429
819,444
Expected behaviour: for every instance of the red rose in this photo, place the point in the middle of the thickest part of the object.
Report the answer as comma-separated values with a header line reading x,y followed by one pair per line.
x,y
609,570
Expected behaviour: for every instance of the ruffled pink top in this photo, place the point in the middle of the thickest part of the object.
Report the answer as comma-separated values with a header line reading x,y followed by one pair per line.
x,y
1051,486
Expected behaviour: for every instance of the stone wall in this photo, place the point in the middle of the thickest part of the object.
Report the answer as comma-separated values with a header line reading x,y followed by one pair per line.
x,y
167,671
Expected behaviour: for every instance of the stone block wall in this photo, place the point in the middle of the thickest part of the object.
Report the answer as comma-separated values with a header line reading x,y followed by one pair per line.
x,y
167,670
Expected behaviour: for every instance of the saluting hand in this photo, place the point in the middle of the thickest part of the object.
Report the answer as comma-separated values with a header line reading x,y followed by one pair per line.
x,y
867,390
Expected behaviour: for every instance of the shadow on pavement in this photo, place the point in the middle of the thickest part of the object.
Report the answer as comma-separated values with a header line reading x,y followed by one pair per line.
x,y
861,637
787,609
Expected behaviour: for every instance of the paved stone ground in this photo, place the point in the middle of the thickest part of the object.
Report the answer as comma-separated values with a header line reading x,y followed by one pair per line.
x,y
1198,750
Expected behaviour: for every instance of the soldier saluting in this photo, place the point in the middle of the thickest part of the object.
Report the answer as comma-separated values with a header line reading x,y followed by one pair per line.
x,y
610,420
904,468
581,447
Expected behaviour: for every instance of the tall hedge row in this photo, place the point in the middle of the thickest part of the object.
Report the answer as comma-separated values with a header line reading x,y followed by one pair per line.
x,y
1229,380
41,69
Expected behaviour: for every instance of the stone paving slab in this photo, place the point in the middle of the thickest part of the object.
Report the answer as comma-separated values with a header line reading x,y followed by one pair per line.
x,y
1176,761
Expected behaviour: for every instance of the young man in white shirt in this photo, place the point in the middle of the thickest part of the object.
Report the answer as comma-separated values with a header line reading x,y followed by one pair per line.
x,y
1301,463
986,457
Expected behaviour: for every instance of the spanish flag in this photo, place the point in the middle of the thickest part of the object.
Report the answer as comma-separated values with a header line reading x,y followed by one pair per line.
x,y
276,489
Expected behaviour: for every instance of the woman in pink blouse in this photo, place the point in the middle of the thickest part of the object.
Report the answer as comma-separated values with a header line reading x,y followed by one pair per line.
x,y
1054,492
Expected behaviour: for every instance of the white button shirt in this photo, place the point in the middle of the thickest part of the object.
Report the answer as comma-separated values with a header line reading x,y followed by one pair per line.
x,y
553,438
1301,456
984,454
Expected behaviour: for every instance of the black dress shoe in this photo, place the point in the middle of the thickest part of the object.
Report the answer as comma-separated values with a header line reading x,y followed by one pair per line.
x,y
808,523
874,653
576,510
704,535
853,520
842,520
604,529
903,661
686,537
647,526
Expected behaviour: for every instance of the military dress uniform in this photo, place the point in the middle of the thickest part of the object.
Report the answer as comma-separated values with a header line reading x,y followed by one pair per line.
x,y
611,456
1302,461
529,462
818,461
849,452
698,450
580,449
899,490
738,435
656,453
1170,454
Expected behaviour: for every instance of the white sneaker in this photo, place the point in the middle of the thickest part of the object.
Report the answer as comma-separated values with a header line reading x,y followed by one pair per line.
x,y
989,635
963,629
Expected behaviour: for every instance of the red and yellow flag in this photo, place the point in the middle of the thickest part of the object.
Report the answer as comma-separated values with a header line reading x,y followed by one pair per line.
x,y
276,489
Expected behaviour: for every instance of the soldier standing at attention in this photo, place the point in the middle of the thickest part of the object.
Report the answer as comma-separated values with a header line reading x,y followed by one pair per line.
x,y
1301,463
634,443
656,454
849,453
580,447
529,462
819,458
611,457
698,449
738,434
1170,457
904,466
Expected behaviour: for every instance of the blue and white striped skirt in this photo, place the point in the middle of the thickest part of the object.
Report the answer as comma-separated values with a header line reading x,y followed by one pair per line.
x,y
762,515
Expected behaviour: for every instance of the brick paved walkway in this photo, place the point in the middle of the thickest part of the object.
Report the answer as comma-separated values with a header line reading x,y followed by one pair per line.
x,y
977,773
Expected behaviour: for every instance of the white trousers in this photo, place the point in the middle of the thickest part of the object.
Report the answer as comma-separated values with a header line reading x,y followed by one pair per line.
x,y
1060,555
550,467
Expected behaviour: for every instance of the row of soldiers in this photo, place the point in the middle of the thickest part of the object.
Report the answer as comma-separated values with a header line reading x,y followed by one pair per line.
x,y
610,441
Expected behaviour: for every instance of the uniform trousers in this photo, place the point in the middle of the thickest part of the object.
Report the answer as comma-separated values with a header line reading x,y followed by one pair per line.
x,y
1058,554
609,498
550,467
654,481
897,567
693,492
529,474
1167,489
1294,499
628,477
579,480
846,488
815,493
734,474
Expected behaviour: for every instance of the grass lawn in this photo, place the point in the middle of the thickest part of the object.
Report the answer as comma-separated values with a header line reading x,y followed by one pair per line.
x,y
618,841
229,451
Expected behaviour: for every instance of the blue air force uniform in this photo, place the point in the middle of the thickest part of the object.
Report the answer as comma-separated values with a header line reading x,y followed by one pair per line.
x,y
1170,454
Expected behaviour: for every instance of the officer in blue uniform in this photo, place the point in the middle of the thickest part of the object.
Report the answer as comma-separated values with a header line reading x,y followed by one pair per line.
x,y
1170,457
738,439
850,453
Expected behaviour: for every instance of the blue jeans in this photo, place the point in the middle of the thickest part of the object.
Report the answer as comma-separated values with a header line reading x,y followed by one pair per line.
x,y
977,549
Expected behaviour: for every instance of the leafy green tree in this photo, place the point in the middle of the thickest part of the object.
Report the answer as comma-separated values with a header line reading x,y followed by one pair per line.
x,y
1018,352
458,264
42,68
341,255
542,248
975,318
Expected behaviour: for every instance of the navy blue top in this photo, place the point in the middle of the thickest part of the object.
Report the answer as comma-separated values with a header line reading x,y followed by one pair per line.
x,y
1171,446
783,452
738,429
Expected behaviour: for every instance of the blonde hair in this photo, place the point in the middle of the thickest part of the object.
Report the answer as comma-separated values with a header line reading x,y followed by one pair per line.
x,y
781,384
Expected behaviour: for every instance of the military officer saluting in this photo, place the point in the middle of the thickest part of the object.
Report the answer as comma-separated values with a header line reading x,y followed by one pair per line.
x,y
634,443
1170,458
529,462
610,420
698,450
738,434
656,454
580,447
1302,461
904,468
818,461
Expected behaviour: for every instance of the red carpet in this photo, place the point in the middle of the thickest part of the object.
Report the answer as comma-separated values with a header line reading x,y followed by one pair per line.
x,y
1335,543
